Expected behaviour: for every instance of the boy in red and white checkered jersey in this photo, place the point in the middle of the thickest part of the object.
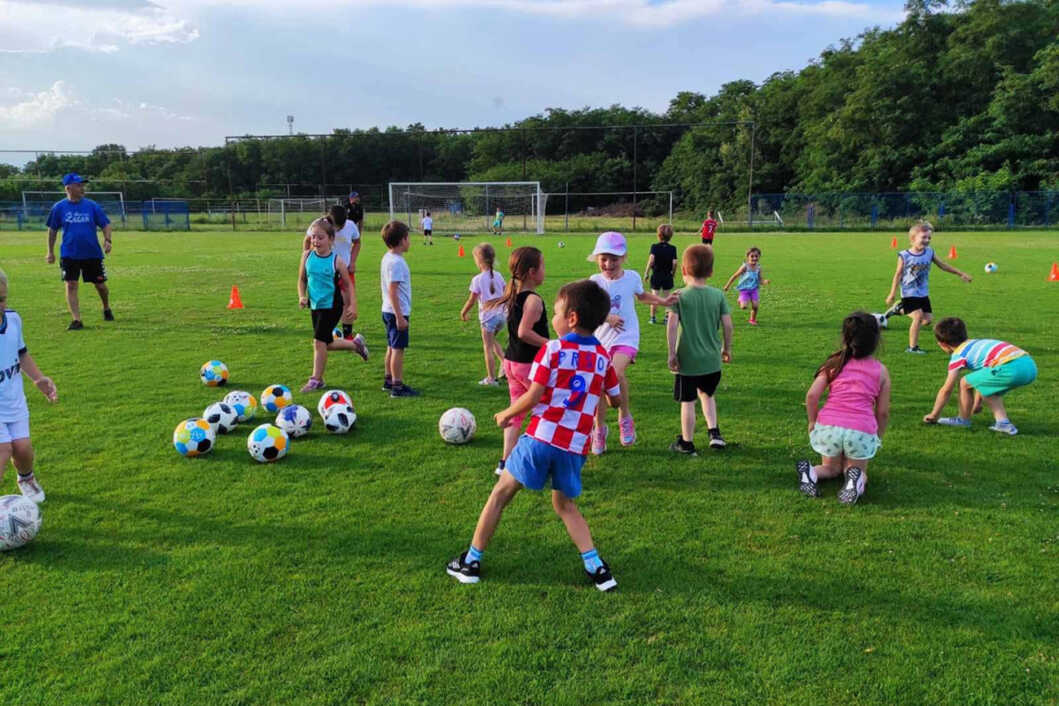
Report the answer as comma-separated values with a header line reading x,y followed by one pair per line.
x,y
569,377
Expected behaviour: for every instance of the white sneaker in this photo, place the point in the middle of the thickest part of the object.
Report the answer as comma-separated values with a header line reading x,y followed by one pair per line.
x,y
1005,427
488,381
30,488
599,439
360,347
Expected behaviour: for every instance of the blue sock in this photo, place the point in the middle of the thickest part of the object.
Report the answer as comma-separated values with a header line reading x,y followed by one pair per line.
x,y
473,554
592,560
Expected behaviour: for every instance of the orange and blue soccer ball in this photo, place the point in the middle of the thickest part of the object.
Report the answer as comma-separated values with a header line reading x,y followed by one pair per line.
x,y
194,437
276,397
267,443
214,373
244,404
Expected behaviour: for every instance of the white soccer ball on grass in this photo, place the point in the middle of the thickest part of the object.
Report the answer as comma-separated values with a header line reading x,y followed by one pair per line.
x,y
457,426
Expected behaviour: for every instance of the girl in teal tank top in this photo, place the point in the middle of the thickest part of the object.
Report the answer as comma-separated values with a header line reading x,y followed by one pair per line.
x,y
323,283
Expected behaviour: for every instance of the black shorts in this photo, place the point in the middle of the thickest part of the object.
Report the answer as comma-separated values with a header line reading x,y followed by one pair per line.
x,y
910,304
427,231
324,322
661,282
707,241
686,387
89,270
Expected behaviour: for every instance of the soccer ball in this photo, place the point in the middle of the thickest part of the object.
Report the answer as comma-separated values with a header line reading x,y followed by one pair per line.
x,y
880,319
562,244
267,443
332,397
457,426
455,236
275,397
214,373
990,267
337,333
295,420
339,418
19,521
221,417
194,437
243,403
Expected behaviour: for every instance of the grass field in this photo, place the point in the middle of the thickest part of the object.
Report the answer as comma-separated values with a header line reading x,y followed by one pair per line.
x,y
319,579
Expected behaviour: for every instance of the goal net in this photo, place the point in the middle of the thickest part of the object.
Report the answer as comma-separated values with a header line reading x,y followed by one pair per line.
x,y
166,214
471,205
293,211
36,205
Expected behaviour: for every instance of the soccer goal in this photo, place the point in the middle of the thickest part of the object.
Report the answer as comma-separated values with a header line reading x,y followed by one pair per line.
x,y
299,211
166,214
470,205
36,205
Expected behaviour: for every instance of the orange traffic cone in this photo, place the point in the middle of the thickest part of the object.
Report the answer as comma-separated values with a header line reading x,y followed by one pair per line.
x,y
460,251
893,243
1054,275
234,302
952,253
509,242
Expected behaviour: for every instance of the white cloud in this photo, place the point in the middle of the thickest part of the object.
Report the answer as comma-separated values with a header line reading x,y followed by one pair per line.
x,y
36,27
34,111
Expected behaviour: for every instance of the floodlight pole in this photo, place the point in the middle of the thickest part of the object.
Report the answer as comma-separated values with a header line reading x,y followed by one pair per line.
x,y
750,178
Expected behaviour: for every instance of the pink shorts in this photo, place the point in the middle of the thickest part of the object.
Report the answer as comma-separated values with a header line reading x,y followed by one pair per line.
x,y
748,295
625,350
518,384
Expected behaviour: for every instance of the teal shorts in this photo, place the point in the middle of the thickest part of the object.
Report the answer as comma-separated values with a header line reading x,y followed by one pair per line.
x,y
833,442
1001,379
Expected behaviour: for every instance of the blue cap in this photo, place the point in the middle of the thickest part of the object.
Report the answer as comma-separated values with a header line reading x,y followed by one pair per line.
x,y
72,178
353,194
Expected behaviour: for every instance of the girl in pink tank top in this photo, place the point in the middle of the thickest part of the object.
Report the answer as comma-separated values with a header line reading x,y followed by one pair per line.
x,y
847,431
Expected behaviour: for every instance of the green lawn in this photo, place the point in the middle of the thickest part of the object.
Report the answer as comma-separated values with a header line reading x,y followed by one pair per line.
x,y
319,579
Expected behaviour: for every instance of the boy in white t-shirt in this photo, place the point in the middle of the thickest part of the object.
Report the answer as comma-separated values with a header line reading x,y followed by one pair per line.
x,y
620,334
15,361
347,246
396,281
427,223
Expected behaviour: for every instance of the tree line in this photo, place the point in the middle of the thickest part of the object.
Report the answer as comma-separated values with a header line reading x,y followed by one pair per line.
x,y
962,97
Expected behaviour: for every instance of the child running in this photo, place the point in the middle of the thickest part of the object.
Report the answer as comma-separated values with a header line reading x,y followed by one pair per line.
x,y
527,331
699,312
709,227
14,413
620,333
995,369
749,274
847,431
486,286
913,272
569,376
661,265
319,272
347,247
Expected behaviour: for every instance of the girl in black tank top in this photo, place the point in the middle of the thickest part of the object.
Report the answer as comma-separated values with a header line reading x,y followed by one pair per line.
x,y
517,350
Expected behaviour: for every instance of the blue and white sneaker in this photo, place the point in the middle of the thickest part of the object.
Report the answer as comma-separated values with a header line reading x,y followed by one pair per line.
x,y
955,422
464,571
602,578
1005,427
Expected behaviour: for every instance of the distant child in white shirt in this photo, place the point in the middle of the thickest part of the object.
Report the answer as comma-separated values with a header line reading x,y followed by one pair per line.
x,y
620,334
486,286
427,223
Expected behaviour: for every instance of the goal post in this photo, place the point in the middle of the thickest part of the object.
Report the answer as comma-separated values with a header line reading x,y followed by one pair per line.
x,y
37,204
470,205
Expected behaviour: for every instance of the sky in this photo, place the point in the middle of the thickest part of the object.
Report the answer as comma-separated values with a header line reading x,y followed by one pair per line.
x,y
78,73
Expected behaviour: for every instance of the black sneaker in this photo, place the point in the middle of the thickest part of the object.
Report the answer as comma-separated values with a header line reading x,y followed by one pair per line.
x,y
716,440
805,481
108,315
464,572
387,386
683,447
853,487
602,578
403,391
75,325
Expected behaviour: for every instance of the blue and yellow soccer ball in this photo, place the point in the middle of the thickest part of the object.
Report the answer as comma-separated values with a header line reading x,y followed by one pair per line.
x,y
337,333
267,443
214,373
244,404
276,397
194,437
990,267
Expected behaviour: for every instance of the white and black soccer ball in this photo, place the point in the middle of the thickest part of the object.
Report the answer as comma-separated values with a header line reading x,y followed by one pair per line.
x,y
267,443
562,244
457,426
276,397
990,267
20,520
455,236
244,404
221,417
339,418
880,319
295,420
332,398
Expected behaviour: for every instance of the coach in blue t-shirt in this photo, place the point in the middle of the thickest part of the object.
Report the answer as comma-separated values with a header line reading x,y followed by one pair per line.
x,y
80,254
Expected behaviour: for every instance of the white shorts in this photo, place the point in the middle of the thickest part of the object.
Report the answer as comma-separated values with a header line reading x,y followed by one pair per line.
x,y
12,431
493,320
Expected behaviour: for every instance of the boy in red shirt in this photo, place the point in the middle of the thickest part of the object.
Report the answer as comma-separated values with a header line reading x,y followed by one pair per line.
x,y
709,227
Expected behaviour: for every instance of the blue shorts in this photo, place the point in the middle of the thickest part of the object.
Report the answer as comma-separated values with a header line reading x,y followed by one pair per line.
x,y
1001,379
531,463
394,337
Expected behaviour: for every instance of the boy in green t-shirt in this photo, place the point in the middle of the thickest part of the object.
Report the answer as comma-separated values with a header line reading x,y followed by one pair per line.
x,y
700,311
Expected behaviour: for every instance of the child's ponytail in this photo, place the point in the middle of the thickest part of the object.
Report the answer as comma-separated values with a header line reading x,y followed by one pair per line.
x,y
860,338
520,263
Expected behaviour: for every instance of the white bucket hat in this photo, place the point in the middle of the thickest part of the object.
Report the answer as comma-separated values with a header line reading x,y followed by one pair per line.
x,y
609,243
